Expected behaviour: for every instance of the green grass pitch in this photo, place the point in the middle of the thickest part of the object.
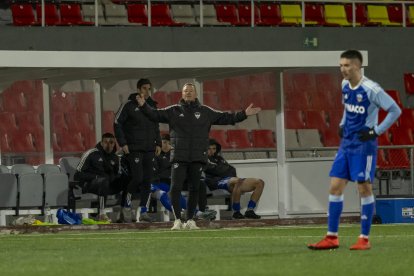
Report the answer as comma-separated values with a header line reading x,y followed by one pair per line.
x,y
235,251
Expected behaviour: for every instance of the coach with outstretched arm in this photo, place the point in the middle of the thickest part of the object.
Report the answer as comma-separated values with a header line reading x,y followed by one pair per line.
x,y
190,124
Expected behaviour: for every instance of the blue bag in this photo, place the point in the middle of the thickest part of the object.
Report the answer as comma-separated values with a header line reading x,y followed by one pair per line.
x,y
66,217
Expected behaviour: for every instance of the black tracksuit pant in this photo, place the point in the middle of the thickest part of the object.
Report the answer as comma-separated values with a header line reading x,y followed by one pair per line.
x,y
141,169
182,171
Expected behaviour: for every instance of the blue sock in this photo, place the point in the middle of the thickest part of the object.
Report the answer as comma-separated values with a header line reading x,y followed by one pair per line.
x,y
143,209
251,204
367,212
183,203
236,206
165,201
336,204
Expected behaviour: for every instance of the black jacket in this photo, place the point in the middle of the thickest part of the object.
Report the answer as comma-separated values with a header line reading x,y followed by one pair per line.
x,y
217,166
190,125
97,163
134,129
162,168
217,169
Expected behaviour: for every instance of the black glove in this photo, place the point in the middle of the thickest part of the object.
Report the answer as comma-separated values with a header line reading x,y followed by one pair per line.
x,y
341,132
367,134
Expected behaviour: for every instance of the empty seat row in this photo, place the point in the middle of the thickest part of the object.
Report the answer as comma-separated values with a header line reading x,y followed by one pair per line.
x,y
63,15
265,14
24,190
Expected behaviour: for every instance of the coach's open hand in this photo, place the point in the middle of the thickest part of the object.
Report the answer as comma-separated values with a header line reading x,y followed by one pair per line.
x,y
140,99
250,110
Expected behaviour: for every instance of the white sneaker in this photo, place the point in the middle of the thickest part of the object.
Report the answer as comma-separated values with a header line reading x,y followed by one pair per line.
x,y
191,225
178,225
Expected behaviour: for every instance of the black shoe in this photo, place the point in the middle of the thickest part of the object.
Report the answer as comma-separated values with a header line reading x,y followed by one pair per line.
x,y
238,215
251,214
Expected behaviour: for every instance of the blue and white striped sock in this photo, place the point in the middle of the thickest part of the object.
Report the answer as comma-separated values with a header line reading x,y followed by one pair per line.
x,y
367,212
336,204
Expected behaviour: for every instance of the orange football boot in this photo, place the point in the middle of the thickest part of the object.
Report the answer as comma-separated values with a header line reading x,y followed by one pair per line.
x,y
329,242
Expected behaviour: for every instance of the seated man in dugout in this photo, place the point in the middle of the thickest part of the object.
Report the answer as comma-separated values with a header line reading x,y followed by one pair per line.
x,y
99,173
221,175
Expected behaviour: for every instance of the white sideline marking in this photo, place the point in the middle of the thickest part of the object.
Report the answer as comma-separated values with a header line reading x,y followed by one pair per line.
x,y
146,232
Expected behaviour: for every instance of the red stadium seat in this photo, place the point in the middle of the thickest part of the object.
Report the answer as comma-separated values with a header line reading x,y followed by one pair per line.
x,y
79,122
59,122
395,14
382,161
175,97
5,143
29,121
270,14
51,14
396,96
263,138
8,122
220,136
63,102
213,86
328,92
108,118
161,98
71,15
231,100
330,137
70,142
316,119
211,100
315,13
407,118
402,136
23,142
161,16
398,159
85,102
227,13
245,14
14,101
384,139
335,118
38,140
34,98
23,15
294,119
137,13
409,83
238,138
361,16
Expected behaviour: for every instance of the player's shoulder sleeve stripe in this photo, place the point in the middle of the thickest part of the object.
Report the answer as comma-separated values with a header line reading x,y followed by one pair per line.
x,y
212,109
371,86
121,108
84,157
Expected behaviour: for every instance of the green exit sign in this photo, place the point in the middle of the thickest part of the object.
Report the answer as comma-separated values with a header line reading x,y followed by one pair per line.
x,y
311,42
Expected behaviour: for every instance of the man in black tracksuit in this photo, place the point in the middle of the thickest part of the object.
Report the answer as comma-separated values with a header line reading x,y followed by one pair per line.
x,y
140,140
222,175
190,123
99,173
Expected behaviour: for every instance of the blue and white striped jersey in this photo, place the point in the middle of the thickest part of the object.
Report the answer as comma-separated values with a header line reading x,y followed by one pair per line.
x,y
362,104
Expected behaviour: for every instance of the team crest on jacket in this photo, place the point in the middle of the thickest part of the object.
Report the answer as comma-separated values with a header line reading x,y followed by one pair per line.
x,y
112,162
136,109
136,160
197,115
100,159
359,98
175,165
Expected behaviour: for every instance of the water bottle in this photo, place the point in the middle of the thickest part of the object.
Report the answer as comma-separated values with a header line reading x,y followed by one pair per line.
x,y
48,215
